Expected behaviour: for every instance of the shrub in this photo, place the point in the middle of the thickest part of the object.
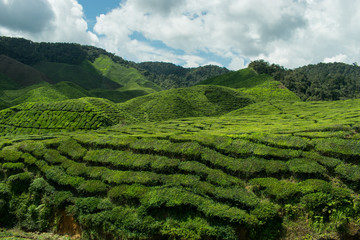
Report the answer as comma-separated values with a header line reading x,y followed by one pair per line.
x,y
58,175
323,160
20,182
40,186
75,168
28,158
349,172
127,193
314,185
86,205
71,148
164,164
316,201
302,166
10,154
280,190
53,156
237,195
93,187
338,146
13,166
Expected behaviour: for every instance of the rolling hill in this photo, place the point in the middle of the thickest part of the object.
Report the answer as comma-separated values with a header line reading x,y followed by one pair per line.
x,y
237,156
197,101
260,87
253,176
68,115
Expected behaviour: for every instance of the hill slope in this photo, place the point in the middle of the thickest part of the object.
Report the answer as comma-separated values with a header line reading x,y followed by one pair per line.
x,y
194,101
260,87
131,82
256,176
78,114
18,74
168,75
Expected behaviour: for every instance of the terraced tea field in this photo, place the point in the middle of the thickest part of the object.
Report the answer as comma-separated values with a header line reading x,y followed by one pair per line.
x,y
265,175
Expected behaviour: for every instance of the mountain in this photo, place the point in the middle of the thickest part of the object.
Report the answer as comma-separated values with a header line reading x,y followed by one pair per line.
x,y
17,75
168,75
101,73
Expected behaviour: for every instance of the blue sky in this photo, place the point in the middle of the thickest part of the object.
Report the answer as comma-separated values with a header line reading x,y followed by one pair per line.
x,y
228,33
93,8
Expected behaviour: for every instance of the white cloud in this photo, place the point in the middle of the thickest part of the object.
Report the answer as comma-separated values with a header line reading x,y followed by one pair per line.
x,y
337,58
45,20
287,32
30,17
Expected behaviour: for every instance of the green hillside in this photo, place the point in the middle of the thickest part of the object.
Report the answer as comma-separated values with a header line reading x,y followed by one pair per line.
x,y
14,74
43,92
261,87
69,115
168,75
194,101
82,75
133,83
255,176
90,148
244,78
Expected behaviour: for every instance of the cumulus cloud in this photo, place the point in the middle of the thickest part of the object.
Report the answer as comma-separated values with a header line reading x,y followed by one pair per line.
x,y
337,58
45,20
30,17
286,32
231,32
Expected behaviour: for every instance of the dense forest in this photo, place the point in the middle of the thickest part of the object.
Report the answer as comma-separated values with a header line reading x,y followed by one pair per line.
x,y
322,81
166,75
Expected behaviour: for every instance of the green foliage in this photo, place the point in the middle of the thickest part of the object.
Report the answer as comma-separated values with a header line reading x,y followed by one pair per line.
x,y
10,154
168,75
127,193
92,187
262,168
323,81
72,148
302,166
185,102
280,190
20,182
349,172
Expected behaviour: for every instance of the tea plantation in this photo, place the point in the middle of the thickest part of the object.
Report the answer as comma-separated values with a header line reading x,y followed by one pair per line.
x,y
91,148
265,175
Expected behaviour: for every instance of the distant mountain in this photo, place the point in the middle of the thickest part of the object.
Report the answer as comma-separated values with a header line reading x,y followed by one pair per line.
x,y
168,75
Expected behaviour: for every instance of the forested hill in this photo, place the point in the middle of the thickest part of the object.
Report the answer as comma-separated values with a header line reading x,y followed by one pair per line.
x,y
169,75
166,75
322,81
